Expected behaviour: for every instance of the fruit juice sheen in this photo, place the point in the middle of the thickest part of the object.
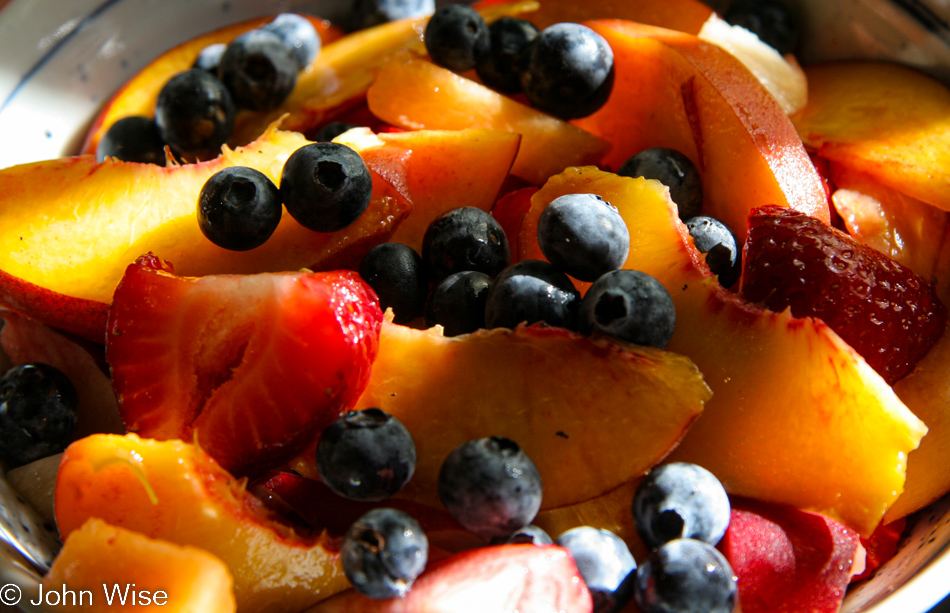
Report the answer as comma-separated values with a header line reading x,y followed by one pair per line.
x,y
721,395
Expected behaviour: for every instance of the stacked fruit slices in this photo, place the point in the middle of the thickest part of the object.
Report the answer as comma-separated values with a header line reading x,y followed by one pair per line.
x,y
781,426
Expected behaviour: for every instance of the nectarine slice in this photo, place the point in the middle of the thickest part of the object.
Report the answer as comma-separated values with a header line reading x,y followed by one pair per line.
x,y
683,15
415,94
591,414
889,121
100,563
796,416
678,91
175,492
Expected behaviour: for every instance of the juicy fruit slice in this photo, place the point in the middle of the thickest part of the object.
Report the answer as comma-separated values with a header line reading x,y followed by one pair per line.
x,y
886,312
683,15
788,560
889,121
413,93
138,95
529,578
175,492
678,91
175,578
97,218
566,400
84,318
250,367
797,416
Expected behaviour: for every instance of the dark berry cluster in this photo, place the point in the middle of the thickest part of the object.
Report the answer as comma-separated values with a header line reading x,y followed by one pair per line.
x,y
325,187
38,412
566,70
194,113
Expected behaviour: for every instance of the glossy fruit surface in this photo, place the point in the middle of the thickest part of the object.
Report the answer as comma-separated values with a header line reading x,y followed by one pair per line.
x,y
713,238
683,576
465,238
398,276
366,455
583,236
630,305
889,314
457,303
239,208
38,406
209,58
532,291
259,70
672,169
133,139
368,13
271,359
456,37
383,553
298,35
195,114
500,68
605,563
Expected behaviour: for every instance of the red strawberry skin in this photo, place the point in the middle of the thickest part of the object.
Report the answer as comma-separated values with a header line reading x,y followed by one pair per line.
x,y
250,366
886,312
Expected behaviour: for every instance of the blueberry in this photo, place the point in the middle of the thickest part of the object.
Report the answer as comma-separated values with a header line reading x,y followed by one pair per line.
x,y
38,405
466,238
195,114
366,455
239,208
680,500
298,35
397,275
717,241
259,70
532,291
369,13
583,236
333,129
383,552
490,486
605,563
631,306
685,576
672,169
132,139
456,37
527,535
500,68
458,303
325,186
209,58
568,71
773,22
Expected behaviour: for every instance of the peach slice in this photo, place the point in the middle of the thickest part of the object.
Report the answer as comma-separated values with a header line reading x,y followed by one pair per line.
x,y
678,91
138,95
415,94
889,121
175,492
591,414
796,417
102,567
683,15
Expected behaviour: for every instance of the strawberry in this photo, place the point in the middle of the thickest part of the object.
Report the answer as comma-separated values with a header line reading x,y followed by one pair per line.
x,y
252,367
885,311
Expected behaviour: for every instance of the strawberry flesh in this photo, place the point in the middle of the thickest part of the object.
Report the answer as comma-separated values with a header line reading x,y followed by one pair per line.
x,y
886,312
252,367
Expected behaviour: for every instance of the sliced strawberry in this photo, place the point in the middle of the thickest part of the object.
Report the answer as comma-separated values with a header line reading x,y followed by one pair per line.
x,y
525,578
886,312
250,366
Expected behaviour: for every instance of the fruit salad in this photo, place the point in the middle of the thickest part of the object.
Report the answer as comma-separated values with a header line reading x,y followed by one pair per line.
x,y
525,305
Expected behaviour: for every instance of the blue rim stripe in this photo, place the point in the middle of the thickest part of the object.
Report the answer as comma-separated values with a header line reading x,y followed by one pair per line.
x,y
59,44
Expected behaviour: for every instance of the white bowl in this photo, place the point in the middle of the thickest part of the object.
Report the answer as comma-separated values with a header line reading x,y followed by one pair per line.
x,y
59,61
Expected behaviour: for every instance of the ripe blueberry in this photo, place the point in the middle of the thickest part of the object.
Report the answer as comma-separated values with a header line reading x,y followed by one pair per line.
x,y
568,71
531,291
528,535
325,186
500,68
38,406
397,275
629,305
717,241
209,58
458,303
195,114
583,236
680,500
132,139
298,35
490,486
366,455
333,129
456,37
383,552
239,208
369,13
773,22
466,238
259,70
672,169
684,576
605,563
